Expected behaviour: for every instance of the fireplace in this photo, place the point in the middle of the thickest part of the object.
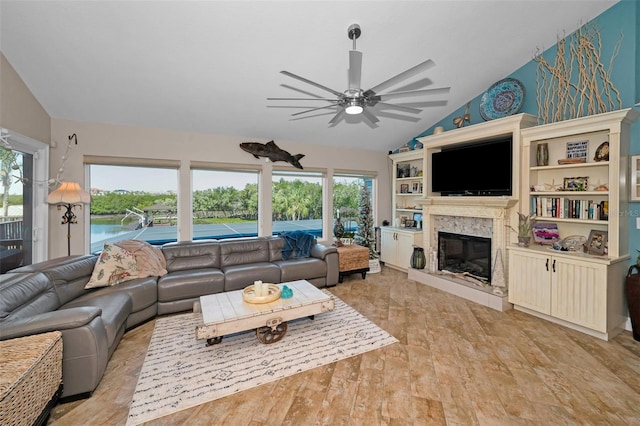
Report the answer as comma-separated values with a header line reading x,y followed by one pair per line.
x,y
465,254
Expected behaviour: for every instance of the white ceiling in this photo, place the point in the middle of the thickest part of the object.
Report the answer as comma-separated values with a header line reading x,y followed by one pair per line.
x,y
209,66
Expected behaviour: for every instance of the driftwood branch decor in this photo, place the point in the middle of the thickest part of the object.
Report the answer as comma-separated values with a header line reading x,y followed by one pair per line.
x,y
577,83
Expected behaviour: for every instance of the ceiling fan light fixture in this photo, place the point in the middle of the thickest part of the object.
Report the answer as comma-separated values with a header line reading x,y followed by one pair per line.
x,y
354,107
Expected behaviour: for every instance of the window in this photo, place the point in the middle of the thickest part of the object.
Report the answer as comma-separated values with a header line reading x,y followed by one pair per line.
x,y
225,203
346,197
132,202
297,201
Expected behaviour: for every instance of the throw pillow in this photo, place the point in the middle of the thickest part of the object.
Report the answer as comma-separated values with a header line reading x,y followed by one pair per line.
x,y
114,266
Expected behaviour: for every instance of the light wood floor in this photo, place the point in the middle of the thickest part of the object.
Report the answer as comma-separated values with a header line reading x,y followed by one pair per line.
x,y
457,363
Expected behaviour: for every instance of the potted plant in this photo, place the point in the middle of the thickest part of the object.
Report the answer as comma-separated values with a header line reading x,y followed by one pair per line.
x,y
525,226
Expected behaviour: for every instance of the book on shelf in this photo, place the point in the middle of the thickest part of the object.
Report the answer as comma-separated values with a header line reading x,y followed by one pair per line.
x,y
568,208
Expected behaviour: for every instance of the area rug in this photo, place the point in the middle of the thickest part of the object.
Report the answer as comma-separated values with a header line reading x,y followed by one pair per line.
x,y
180,372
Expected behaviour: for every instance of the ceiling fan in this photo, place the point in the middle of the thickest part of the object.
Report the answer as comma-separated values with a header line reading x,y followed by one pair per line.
x,y
354,100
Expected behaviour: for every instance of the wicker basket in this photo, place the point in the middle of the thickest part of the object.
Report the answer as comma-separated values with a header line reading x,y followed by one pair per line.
x,y
30,375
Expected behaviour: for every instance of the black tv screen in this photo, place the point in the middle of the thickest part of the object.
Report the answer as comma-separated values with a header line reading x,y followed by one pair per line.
x,y
483,169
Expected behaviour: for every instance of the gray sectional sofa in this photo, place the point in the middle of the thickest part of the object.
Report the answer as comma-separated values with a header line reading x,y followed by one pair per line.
x,y
51,295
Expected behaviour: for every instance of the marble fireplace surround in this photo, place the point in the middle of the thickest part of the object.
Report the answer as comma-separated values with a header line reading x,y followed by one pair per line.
x,y
479,216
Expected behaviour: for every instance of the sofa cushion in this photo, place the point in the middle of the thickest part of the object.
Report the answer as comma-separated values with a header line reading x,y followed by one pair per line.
x,y
237,277
301,269
114,266
189,284
69,278
142,291
190,255
244,251
24,295
115,308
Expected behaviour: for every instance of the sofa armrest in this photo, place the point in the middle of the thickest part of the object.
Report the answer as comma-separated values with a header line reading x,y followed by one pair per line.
x,y
320,251
62,319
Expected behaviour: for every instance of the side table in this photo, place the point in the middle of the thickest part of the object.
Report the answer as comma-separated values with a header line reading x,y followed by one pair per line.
x,y
353,259
30,378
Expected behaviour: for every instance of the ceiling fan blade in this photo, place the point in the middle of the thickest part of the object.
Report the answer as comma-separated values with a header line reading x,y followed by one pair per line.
x,y
301,99
312,116
398,107
402,76
369,116
337,117
313,109
313,83
418,84
439,91
304,92
355,69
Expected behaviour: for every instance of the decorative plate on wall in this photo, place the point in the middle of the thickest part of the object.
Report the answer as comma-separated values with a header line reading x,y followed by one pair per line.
x,y
502,99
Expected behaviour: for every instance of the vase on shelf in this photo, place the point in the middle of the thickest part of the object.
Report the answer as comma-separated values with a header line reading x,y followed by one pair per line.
x,y
524,241
542,154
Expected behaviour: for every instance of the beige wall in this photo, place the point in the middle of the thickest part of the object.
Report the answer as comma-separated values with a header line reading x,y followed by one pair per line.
x,y
125,141
20,111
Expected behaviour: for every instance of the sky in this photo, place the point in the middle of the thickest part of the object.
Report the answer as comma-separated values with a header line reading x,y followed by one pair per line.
x,y
110,178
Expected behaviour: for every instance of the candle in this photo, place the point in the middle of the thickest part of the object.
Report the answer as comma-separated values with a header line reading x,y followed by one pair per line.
x,y
257,288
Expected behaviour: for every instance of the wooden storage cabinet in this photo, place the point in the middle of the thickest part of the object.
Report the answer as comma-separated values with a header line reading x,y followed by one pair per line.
x,y
582,293
396,246
530,281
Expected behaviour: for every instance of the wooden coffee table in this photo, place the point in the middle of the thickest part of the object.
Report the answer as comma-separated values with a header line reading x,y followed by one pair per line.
x,y
227,313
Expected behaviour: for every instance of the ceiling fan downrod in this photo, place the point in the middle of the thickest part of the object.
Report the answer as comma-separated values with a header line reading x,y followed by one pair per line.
x,y
354,32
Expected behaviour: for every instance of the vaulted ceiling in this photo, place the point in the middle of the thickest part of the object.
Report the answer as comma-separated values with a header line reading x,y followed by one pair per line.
x,y
208,66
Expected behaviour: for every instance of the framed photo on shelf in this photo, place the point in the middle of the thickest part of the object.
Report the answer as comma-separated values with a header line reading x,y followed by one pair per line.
x,y
409,223
545,232
404,188
415,187
404,170
576,184
597,242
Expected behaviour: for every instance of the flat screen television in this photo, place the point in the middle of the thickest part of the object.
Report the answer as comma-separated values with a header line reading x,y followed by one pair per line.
x,y
479,169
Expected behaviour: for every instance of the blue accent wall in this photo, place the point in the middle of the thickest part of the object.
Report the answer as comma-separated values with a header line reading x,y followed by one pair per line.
x,y
622,18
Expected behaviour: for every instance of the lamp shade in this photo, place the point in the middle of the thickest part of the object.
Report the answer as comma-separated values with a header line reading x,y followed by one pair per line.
x,y
69,193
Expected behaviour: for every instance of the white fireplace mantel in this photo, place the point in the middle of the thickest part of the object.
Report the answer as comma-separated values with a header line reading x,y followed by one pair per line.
x,y
485,202
498,211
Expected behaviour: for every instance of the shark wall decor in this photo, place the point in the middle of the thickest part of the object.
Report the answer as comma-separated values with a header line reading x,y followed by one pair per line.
x,y
271,151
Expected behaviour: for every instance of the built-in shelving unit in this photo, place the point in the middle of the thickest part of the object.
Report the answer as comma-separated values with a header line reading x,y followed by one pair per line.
x,y
397,240
407,186
577,289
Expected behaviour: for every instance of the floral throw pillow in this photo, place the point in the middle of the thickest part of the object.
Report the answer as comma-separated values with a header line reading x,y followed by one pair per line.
x,y
114,266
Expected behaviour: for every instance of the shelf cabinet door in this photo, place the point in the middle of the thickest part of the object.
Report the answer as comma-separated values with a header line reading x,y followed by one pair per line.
x,y
388,246
579,293
404,250
530,281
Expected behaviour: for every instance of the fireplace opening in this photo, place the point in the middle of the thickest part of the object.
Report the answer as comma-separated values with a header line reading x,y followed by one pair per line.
x,y
465,254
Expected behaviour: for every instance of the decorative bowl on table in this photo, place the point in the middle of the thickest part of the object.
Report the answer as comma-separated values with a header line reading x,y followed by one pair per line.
x,y
249,294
